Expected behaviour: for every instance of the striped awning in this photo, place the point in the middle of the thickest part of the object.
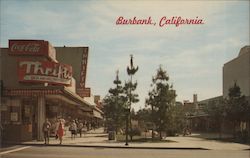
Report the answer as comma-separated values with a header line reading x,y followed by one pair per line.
x,y
30,92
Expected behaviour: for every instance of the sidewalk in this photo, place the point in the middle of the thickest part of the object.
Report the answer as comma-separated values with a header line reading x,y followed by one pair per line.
x,y
96,138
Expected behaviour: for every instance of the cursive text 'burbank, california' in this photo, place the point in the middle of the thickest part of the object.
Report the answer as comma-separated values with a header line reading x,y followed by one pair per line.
x,y
162,22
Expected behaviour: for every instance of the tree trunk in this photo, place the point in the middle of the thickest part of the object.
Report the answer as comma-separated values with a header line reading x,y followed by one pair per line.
x,y
234,130
116,130
220,130
153,134
130,129
248,132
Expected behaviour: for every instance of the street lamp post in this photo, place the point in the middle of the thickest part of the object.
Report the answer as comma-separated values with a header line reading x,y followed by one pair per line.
x,y
127,116
131,70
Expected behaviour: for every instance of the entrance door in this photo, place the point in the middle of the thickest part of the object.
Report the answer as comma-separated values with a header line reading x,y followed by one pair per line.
x,y
34,121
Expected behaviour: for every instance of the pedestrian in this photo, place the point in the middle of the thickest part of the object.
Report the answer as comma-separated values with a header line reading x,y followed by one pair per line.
x,y
77,122
80,128
60,129
46,130
73,129
93,125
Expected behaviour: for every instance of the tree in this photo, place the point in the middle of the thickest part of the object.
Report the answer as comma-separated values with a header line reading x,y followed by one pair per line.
x,y
144,118
114,106
216,110
177,120
161,99
237,107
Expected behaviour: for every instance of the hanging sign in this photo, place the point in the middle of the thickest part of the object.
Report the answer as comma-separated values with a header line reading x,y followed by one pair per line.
x,y
83,72
45,72
83,92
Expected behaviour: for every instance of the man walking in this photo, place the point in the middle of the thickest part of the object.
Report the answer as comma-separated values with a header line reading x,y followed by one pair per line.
x,y
46,129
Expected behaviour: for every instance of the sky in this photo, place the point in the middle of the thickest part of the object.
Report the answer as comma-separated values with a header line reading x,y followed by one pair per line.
x,y
192,55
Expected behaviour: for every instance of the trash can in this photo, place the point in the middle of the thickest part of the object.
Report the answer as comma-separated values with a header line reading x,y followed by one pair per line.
x,y
111,135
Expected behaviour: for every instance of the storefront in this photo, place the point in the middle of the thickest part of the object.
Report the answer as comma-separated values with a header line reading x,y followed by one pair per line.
x,y
35,86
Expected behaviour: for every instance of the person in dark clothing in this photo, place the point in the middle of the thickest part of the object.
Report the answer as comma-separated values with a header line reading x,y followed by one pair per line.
x,y
46,130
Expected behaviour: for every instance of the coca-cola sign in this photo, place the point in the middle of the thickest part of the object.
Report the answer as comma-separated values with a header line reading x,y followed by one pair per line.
x,y
32,47
26,48
44,72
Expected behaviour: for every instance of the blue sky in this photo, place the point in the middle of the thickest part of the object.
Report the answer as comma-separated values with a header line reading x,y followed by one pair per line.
x,y
193,55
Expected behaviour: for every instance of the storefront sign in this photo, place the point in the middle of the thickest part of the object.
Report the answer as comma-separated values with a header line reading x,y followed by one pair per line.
x,y
32,47
83,68
44,72
83,92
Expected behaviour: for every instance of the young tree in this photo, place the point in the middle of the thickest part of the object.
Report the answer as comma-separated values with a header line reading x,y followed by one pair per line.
x,y
114,104
161,98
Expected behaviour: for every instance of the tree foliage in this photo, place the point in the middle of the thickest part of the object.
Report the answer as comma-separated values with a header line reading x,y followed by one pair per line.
x,y
177,120
161,99
216,110
237,107
114,106
144,118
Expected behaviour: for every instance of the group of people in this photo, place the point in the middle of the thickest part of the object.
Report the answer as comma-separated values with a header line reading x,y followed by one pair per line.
x,y
187,131
75,127
59,130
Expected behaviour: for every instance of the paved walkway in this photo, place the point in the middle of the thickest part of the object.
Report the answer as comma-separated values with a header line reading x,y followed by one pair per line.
x,y
99,139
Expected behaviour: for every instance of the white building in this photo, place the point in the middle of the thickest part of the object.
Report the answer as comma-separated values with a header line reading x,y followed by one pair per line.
x,y
238,70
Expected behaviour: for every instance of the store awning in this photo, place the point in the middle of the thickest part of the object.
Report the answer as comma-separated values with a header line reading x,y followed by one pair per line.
x,y
97,114
58,92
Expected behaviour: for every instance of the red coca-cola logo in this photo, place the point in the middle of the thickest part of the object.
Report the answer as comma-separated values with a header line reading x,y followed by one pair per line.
x,y
30,47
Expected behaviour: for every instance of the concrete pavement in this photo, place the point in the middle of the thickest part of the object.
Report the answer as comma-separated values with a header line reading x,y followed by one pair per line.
x,y
99,139
78,152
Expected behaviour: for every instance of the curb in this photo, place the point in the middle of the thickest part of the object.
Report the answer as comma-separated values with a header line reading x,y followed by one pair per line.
x,y
115,147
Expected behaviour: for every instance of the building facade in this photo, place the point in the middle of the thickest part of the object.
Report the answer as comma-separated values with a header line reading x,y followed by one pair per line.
x,y
238,70
39,82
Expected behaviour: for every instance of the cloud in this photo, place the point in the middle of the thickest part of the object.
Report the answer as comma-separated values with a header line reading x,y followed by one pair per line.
x,y
192,55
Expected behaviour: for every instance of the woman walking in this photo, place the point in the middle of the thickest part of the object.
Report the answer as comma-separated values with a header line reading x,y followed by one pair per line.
x,y
60,129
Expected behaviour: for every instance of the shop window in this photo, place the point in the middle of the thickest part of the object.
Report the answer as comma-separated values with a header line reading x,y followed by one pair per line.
x,y
27,110
15,111
5,119
10,111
